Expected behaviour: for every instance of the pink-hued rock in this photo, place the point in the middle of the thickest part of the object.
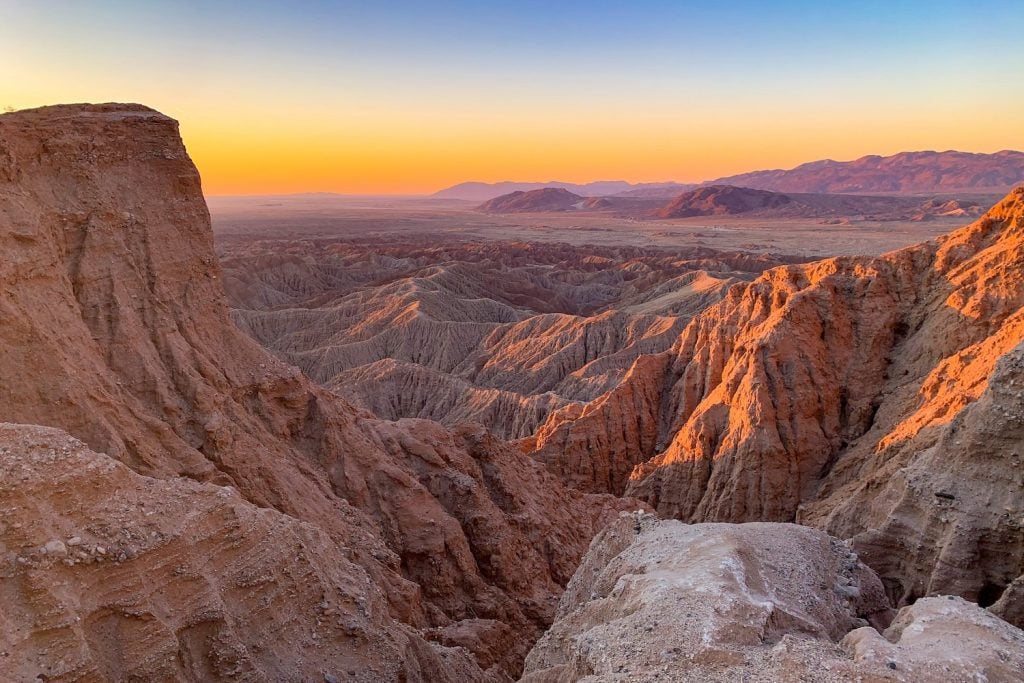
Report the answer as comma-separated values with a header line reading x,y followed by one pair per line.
x,y
115,330
817,390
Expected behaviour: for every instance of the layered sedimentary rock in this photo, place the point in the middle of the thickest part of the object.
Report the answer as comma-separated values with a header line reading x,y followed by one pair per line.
x,y
949,518
664,601
502,334
115,331
808,390
111,575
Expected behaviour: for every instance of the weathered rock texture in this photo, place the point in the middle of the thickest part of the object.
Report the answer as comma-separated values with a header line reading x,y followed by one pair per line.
x,y
664,601
115,331
815,391
497,333
109,575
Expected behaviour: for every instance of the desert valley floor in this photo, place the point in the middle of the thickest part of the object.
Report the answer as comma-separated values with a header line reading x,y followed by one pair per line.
x,y
443,221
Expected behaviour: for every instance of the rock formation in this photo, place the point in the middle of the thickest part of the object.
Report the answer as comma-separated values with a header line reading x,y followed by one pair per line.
x,y
727,200
111,575
952,207
481,192
501,334
179,504
115,331
663,601
811,391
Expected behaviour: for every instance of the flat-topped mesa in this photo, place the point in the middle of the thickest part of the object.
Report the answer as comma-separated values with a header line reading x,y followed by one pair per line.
x,y
115,330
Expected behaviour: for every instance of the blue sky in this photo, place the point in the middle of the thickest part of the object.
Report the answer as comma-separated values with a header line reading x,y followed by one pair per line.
x,y
671,89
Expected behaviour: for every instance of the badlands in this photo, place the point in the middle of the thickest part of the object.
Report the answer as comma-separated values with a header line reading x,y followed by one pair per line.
x,y
323,439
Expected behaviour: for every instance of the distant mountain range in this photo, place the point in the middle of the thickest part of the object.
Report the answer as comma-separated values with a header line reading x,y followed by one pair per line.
x,y
903,172
481,192
729,200
720,200
544,199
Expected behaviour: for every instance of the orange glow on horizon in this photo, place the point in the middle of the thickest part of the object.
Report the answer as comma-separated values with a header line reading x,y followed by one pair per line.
x,y
420,141
326,157
370,98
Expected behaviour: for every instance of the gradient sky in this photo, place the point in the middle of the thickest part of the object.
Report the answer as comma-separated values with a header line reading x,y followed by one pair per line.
x,y
406,97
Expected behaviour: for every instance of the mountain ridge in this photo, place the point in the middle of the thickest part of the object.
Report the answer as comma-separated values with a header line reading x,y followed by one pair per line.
x,y
481,192
924,171
996,171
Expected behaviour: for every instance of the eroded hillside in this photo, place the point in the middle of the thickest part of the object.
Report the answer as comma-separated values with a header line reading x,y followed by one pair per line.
x,y
116,332
497,333
815,391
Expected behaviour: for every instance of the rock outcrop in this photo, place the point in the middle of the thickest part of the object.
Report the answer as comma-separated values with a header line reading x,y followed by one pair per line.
x,y
116,331
663,601
177,503
498,333
948,518
111,575
809,391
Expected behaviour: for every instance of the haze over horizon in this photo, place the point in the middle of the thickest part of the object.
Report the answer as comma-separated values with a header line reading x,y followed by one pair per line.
x,y
408,98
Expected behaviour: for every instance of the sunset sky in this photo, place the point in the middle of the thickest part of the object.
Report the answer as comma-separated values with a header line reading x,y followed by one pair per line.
x,y
409,97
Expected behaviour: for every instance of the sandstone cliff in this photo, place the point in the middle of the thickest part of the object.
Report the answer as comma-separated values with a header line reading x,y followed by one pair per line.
x,y
115,331
117,576
811,387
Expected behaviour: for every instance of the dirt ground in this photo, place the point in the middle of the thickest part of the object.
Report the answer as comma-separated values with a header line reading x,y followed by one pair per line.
x,y
318,216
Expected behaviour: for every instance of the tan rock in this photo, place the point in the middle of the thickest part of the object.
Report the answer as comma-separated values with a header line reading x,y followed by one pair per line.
x,y
497,333
227,591
116,331
664,601
815,391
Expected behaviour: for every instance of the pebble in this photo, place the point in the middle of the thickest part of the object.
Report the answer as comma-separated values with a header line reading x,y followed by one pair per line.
x,y
55,547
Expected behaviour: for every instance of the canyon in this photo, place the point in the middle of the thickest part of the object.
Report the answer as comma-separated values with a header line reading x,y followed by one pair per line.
x,y
284,445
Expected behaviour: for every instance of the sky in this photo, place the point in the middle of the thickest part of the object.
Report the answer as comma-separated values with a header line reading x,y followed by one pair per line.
x,y
409,97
